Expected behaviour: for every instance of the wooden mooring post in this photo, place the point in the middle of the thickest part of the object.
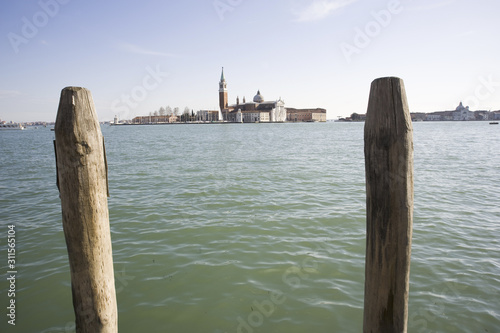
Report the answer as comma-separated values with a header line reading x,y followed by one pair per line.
x,y
82,182
389,207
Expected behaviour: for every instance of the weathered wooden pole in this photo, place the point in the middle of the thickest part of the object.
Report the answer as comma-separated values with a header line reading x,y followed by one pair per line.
x,y
389,206
82,181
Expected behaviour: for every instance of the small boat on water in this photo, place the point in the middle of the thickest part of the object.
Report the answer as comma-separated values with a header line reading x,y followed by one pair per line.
x,y
12,126
494,123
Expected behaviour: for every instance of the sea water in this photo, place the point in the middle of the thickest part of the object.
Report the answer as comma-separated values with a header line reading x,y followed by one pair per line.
x,y
256,228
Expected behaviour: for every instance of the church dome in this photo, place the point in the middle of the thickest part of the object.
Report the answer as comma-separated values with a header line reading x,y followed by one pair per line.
x,y
258,98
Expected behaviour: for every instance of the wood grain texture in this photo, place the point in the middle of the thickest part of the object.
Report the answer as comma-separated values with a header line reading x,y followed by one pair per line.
x,y
83,190
389,207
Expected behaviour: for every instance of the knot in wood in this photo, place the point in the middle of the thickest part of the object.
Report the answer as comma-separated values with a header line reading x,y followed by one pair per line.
x,y
83,148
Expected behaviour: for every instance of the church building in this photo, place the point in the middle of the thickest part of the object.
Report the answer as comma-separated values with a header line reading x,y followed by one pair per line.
x,y
258,110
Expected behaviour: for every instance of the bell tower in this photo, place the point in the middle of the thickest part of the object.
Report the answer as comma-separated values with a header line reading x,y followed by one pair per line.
x,y
223,102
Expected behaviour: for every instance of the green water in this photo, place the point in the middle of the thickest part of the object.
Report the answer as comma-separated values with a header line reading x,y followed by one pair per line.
x,y
257,228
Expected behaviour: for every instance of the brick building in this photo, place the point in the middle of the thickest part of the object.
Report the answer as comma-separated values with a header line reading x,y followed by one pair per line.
x,y
296,115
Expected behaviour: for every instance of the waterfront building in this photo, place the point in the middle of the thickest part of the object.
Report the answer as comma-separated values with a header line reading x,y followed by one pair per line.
x,y
313,115
482,115
439,115
207,115
154,119
463,113
258,110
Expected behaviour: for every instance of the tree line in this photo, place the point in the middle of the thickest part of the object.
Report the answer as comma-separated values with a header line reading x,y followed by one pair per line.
x,y
187,114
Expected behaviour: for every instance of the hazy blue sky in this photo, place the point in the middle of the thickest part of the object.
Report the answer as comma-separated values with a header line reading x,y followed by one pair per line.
x,y
136,56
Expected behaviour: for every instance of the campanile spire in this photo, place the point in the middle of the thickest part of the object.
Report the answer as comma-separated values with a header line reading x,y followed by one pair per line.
x,y
223,100
222,79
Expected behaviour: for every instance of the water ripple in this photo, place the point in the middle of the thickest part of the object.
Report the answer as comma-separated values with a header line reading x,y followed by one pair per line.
x,y
211,233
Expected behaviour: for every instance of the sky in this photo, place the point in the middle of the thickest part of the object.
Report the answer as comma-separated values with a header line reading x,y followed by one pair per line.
x,y
138,56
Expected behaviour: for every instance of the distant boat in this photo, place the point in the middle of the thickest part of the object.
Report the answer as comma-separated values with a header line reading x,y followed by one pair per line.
x,y
494,123
11,126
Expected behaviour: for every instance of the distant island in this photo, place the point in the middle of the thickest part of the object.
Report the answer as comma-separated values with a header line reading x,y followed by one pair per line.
x,y
12,125
257,111
461,113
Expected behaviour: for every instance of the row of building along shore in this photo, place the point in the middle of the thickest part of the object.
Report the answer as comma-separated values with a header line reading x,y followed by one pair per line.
x,y
461,113
214,116
258,110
